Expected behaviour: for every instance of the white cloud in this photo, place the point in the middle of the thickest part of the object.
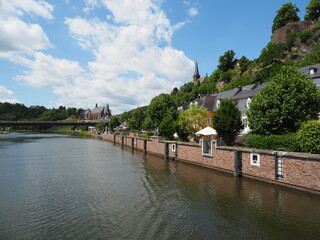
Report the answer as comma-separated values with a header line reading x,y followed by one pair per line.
x,y
7,95
49,72
19,7
133,58
193,11
20,37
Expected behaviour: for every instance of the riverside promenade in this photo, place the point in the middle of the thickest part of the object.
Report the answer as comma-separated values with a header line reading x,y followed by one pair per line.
x,y
295,170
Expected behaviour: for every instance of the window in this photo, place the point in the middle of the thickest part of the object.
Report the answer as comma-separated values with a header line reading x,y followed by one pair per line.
x,y
244,122
248,102
207,147
218,103
255,159
311,71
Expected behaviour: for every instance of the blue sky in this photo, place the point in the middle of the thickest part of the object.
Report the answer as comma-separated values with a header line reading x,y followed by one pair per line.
x,y
77,53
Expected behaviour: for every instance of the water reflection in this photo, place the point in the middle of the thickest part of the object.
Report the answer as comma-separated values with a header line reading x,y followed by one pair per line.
x,y
252,208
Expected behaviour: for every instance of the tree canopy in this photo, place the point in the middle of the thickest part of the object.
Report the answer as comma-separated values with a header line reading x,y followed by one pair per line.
x,y
227,121
284,104
287,13
136,119
113,123
226,61
313,10
191,120
159,107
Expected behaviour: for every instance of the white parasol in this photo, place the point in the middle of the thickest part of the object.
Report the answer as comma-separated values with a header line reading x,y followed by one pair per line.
x,y
207,131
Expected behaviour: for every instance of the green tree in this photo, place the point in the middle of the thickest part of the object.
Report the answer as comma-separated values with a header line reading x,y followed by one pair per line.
x,y
113,123
159,107
284,104
167,127
226,61
101,126
136,119
313,10
227,121
287,13
272,53
244,63
309,137
191,120
147,124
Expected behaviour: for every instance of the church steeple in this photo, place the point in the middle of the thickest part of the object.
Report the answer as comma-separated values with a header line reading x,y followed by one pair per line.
x,y
196,74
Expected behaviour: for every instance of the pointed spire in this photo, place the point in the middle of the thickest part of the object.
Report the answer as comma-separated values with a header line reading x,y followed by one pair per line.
x,y
196,70
196,74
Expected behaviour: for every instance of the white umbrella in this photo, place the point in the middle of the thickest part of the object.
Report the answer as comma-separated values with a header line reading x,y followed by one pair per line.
x,y
207,131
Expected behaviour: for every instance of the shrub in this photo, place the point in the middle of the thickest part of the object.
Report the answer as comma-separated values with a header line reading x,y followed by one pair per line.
x,y
287,142
309,137
240,81
304,36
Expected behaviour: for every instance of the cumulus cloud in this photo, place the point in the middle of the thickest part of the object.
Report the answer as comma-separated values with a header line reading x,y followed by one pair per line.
x,y
21,37
7,95
48,72
134,60
18,36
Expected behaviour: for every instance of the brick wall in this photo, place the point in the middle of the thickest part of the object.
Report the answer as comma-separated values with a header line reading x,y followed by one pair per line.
x,y
302,172
155,147
299,170
266,170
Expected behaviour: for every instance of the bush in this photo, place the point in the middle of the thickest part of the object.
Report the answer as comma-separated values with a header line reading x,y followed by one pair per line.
x,y
309,137
287,142
240,81
304,36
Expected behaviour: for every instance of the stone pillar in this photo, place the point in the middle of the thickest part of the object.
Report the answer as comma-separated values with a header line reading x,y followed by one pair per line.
x,y
145,146
237,163
166,150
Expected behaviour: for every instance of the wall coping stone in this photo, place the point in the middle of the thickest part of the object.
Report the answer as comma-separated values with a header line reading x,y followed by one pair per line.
x,y
273,152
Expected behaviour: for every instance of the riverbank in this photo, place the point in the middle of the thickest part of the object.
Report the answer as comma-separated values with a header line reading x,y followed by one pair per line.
x,y
295,170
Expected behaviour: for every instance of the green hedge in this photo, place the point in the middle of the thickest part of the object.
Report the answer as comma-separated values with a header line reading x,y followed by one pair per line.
x,y
309,137
287,142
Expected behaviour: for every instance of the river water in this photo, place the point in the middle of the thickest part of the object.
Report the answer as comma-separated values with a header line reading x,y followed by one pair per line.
x,y
60,187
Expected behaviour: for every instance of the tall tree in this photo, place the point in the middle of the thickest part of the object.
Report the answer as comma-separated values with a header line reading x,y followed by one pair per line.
x,y
287,13
159,107
191,120
313,10
284,104
226,61
136,119
113,123
167,127
227,121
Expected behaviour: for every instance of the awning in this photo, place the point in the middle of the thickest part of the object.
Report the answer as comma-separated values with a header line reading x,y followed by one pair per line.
x,y
207,131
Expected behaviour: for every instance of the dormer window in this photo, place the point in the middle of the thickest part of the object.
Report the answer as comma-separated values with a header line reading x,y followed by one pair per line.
x,y
312,71
218,103
248,102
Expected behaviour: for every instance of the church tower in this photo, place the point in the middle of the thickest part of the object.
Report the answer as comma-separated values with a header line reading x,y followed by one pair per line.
x,y
196,74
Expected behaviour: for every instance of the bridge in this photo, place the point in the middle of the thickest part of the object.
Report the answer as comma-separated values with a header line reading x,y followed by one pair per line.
x,y
45,123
